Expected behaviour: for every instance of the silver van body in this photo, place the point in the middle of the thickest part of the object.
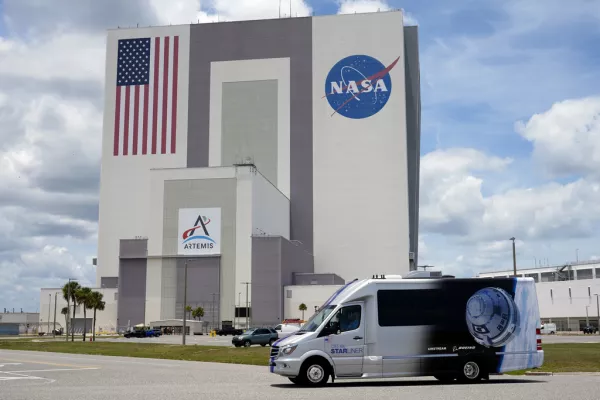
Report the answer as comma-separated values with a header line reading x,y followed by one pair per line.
x,y
393,327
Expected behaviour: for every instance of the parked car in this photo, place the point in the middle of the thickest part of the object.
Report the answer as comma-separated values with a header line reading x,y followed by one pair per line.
x,y
548,329
262,336
589,329
285,330
229,330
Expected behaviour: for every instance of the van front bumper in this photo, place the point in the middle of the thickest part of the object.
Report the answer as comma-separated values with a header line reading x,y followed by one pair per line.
x,y
285,366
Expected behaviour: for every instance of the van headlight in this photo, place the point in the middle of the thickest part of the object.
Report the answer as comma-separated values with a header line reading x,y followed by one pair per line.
x,y
287,350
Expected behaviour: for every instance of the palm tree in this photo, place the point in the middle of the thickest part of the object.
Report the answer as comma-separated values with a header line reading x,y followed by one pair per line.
x,y
302,307
96,303
198,313
189,310
65,312
83,296
69,291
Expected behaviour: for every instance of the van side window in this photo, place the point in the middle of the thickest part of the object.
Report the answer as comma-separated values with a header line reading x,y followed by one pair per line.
x,y
399,307
278,328
348,318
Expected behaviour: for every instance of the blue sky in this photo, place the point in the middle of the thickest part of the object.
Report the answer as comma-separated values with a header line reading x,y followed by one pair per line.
x,y
510,133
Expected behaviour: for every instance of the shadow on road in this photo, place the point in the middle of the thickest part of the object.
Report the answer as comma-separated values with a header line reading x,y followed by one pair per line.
x,y
346,384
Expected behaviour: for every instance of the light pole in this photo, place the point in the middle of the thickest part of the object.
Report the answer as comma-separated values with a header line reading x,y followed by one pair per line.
x,y
587,316
247,307
55,300
514,256
598,310
49,304
184,300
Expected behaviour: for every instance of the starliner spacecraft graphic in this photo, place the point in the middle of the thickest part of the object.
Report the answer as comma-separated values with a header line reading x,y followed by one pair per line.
x,y
492,317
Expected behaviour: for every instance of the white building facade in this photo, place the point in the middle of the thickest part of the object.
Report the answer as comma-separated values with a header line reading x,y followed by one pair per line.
x,y
568,295
256,155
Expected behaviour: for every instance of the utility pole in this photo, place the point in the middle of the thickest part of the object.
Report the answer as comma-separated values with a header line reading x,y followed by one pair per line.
x,y
514,256
184,300
247,307
598,310
587,316
54,329
49,304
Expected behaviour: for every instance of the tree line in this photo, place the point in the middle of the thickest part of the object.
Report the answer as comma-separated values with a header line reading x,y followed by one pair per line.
x,y
86,297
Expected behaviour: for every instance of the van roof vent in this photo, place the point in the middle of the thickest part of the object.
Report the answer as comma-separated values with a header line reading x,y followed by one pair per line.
x,y
423,274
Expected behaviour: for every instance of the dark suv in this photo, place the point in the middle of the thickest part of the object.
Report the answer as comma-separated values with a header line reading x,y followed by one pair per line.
x,y
589,329
262,336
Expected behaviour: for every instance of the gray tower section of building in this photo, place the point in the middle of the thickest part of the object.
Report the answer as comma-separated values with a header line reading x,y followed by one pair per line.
x,y
413,136
262,39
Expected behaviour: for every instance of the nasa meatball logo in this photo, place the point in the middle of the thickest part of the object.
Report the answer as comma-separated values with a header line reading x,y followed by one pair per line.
x,y
492,317
359,86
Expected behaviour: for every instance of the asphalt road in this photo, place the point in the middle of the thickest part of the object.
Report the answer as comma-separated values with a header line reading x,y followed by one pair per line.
x,y
50,376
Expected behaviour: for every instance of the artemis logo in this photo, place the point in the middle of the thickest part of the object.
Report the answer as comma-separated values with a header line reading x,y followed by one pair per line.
x,y
200,240
359,86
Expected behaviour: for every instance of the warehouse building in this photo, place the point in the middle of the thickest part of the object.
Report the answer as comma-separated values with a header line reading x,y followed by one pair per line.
x,y
18,323
568,294
254,155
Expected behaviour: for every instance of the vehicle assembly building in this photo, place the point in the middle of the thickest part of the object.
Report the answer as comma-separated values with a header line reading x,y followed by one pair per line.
x,y
261,154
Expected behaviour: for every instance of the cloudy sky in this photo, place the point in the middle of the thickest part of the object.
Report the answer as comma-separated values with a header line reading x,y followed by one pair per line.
x,y
510,128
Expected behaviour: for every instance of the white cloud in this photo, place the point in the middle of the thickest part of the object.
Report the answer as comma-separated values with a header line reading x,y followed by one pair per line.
x,y
63,55
566,138
188,11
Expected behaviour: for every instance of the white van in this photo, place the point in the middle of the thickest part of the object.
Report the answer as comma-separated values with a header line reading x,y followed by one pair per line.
x,y
285,330
548,329
390,327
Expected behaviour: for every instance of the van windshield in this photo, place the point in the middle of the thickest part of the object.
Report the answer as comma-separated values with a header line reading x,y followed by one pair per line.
x,y
317,319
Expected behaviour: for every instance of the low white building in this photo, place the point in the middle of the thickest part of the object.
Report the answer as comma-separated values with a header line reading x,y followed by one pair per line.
x,y
18,323
568,295
52,303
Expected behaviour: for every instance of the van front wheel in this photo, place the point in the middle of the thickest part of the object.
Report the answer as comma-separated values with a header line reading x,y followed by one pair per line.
x,y
314,372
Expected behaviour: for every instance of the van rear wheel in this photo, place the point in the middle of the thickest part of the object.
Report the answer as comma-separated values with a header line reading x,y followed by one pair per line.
x,y
471,371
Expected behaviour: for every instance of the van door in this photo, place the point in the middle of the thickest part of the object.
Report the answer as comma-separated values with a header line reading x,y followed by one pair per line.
x,y
347,347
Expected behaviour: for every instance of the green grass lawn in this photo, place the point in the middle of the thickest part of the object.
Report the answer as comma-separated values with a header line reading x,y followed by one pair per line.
x,y
255,355
572,357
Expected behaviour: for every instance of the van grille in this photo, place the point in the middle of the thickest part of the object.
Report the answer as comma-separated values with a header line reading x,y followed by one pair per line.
x,y
274,351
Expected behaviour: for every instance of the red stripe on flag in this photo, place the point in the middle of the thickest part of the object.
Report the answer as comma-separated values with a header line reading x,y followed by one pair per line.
x,y
163,142
145,120
117,120
136,119
155,97
126,121
174,98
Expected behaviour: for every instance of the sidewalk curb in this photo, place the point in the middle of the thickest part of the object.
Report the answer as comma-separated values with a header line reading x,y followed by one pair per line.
x,y
531,373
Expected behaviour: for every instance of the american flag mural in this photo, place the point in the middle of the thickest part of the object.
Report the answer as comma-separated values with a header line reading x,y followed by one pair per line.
x,y
146,96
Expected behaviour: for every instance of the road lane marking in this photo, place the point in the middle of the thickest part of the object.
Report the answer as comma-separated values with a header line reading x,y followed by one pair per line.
x,y
48,370
43,363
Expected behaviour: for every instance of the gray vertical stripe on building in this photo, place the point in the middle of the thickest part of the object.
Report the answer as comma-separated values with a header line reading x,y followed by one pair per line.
x,y
249,125
262,39
133,248
413,132
199,193
131,307
274,261
203,279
